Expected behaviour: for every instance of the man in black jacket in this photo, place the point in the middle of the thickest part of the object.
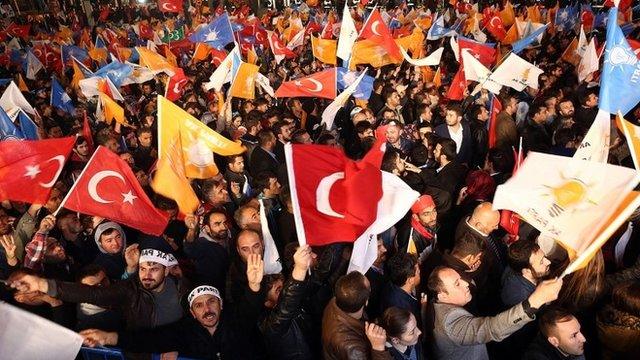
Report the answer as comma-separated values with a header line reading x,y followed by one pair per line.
x,y
450,174
150,299
210,334
263,157
286,326
560,337
535,136
478,122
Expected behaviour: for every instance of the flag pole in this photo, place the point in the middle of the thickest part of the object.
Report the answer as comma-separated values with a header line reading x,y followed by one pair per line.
x,y
75,183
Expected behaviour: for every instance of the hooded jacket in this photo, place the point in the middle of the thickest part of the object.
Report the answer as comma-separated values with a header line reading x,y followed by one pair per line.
x,y
114,264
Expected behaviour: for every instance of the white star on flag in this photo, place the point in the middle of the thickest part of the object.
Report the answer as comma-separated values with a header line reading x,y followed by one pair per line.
x,y
129,197
32,171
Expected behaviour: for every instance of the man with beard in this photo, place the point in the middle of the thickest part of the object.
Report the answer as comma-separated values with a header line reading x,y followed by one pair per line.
x,y
148,300
527,268
238,179
210,251
209,334
421,229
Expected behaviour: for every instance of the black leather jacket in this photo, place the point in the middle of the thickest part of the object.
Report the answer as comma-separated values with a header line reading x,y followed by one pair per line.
x,y
286,327
134,301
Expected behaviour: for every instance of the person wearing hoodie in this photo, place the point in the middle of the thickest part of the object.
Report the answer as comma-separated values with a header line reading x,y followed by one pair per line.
x,y
112,241
210,250
146,301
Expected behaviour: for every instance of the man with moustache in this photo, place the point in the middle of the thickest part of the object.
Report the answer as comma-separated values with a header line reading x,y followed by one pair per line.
x,y
146,301
209,334
210,251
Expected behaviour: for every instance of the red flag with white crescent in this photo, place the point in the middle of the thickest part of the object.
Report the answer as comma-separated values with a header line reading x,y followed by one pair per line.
x,y
376,30
176,85
335,199
509,220
86,132
29,169
496,27
217,56
172,6
321,84
107,187
495,109
278,47
458,85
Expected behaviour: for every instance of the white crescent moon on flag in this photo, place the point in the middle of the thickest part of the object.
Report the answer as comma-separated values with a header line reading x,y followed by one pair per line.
x,y
167,6
322,194
95,180
176,86
276,44
492,22
259,37
317,85
60,160
374,27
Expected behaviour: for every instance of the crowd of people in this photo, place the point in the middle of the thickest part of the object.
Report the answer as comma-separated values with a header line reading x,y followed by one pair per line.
x,y
450,281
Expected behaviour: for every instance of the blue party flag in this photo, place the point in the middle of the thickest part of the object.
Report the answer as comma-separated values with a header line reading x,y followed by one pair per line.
x,y
523,43
28,128
59,98
620,78
115,71
217,34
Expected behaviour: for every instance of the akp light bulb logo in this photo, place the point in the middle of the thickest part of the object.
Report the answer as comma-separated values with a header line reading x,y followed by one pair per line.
x,y
199,154
572,194
620,55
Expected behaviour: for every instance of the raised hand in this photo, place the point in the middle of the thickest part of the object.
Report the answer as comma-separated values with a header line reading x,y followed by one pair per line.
x,y
27,283
132,256
255,271
95,337
302,261
9,249
546,292
47,224
191,221
376,334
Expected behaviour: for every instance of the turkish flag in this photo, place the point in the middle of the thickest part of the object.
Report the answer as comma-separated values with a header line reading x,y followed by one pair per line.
x,y
172,6
86,132
146,31
104,13
509,220
334,198
587,18
327,31
321,84
217,56
486,54
496,107
108,188
496,27
312,27
458,84
622,5
29,169
21,31
376,30
278,47
175,85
